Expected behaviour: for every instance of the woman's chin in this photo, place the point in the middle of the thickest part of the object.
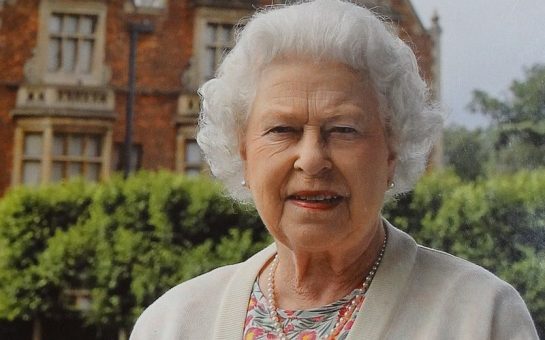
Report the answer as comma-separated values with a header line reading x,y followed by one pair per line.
x,y
314,238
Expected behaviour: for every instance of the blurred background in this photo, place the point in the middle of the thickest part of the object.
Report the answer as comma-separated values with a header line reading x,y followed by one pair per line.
x,y
106,201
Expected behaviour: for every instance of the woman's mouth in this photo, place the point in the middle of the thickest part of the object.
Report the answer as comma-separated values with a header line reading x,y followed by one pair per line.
x,y
316,200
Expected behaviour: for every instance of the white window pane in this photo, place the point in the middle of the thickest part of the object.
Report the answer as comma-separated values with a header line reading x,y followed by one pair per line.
x,y
85,55
70,24
55,23
210,34
135,155
93,172
33,145
192,153
69,54
93,146
58,145
57,172
87,25
150,3
54,55
31,172
75,169
225,35
75,145
210,63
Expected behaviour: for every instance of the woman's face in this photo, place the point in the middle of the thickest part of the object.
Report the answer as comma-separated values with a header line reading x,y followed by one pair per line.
x,y
316,156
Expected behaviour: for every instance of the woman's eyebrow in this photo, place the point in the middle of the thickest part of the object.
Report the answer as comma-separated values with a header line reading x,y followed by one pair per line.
x,y
275,114
353,113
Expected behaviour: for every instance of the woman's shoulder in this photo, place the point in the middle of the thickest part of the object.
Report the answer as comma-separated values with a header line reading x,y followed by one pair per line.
x,y
448,295
183,307
198,287
192,307
438,266
452,267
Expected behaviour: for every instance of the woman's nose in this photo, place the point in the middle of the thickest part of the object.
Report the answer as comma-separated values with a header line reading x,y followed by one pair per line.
x,y
313,157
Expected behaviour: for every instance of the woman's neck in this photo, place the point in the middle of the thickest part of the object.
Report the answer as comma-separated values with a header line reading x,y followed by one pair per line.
x,y
306,280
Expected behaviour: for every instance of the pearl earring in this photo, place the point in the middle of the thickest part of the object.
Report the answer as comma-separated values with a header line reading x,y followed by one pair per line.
x,y
243,182
391,185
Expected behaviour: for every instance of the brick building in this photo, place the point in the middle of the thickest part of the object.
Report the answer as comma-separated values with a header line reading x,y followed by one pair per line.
x,y
64,83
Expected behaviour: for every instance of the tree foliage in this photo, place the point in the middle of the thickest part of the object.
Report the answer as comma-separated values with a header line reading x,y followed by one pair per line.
x,y
526,102
30,220
516,138
514,141
465,151
153,232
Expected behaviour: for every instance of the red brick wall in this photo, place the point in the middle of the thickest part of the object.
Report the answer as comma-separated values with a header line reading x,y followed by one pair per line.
x,y
18,34
162,57
7,101
412,33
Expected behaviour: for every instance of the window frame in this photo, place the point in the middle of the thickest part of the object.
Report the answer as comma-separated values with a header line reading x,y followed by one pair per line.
x,y
187,134
204,16
47,127
84,160
84,8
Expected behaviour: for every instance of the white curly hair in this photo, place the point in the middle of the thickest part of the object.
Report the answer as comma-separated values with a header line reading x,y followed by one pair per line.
x,y
332,30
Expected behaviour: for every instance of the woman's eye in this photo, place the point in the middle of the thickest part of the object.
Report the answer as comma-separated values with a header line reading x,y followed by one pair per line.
x,y
342,129
281,129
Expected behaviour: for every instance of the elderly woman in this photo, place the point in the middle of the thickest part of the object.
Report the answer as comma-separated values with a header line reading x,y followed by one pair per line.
x,y
317,116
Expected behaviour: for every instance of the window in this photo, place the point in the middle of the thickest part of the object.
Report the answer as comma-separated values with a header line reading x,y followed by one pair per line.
x,y
55,149
76,154
192,157
218,41
32,158
72,40
72,155
214,36
71,43
189,159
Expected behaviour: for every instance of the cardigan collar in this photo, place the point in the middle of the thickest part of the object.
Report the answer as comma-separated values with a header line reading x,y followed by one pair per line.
x,y
387,287
380,302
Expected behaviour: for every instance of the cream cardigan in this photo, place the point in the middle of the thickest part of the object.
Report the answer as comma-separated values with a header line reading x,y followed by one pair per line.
x,y
417,293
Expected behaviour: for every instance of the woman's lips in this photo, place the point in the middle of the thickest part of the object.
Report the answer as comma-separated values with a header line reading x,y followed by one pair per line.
x,y
317,200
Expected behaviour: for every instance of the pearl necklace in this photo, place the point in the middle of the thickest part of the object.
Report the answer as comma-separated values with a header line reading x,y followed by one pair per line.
x,y
343,319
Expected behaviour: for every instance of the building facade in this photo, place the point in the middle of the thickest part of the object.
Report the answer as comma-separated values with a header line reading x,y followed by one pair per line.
x,y
64,80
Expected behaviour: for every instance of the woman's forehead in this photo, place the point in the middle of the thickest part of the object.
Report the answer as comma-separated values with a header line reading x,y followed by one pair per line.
x,y
295,85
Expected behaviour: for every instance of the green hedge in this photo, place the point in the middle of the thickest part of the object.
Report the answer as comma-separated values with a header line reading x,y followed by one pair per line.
x,y
127,240
130,240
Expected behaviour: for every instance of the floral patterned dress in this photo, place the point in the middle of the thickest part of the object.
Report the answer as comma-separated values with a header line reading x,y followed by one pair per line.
x,y
309,324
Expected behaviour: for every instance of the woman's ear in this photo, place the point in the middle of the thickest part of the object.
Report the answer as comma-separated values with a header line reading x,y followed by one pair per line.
x,y
242,147
392,162
243,157
242,151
